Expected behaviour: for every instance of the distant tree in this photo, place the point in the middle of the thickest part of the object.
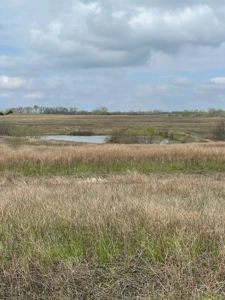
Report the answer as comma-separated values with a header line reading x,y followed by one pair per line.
x,y
72,110
27,110
100,111
35,108
213,112
9,112
157,111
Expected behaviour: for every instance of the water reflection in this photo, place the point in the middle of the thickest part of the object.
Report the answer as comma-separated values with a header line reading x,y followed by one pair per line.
x,y
97,139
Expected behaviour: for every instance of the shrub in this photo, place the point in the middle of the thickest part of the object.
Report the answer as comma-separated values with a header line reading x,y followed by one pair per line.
x,y
146,135
143,135
218,130
171,134
123,136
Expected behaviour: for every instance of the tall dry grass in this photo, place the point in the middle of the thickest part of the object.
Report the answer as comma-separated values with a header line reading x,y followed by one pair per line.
x,y
122,237
41,159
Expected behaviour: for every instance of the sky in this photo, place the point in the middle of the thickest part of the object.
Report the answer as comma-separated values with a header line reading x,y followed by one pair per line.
x,y
125,55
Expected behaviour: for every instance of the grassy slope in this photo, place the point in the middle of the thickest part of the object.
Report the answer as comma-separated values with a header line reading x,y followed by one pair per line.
x,y
61,124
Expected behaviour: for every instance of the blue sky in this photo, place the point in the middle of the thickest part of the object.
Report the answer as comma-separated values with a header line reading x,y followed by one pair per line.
x,y
125,55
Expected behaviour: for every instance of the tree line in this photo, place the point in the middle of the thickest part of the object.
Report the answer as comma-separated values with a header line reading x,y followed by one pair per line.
x,y
211,112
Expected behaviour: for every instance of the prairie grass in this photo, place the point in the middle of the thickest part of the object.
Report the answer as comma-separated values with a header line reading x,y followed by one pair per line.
x,y
127,222
122,237
104,159
66,124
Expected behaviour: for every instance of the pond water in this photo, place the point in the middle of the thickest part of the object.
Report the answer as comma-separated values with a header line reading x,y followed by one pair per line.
x,y
97,139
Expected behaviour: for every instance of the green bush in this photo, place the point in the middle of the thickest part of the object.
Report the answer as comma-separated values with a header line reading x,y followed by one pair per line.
x,y
171,134
183,137
143,135
123,136
146,135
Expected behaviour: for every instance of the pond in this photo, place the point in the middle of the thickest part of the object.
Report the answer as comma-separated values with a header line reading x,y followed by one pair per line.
x,y
97,139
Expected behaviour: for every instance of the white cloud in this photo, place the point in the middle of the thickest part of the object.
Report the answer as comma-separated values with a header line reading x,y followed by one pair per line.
x,y
219,80
12,82
91,36
34,95
197,24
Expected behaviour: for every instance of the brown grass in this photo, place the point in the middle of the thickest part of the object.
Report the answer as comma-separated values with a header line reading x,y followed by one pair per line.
x,y
28,155
62,124
130,236
172,228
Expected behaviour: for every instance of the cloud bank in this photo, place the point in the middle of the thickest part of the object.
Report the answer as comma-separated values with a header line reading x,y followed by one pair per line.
x,y
126,55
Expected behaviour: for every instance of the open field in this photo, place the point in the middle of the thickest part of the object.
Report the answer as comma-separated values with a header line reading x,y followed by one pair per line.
x,y
112,221
100,124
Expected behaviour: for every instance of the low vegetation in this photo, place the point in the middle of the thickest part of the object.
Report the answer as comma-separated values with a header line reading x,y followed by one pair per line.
x,y
113,221
182,137
149,135
145,135
120,237
42,124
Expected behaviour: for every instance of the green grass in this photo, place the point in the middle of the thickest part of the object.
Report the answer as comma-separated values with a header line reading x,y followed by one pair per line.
x,y
144,167
59,242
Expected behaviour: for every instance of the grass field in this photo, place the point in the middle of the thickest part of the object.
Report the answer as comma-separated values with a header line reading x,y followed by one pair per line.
x,y
112,221
122,237
100,124
83,221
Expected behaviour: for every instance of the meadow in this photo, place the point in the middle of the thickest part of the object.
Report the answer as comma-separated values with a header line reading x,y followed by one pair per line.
x,y
105,124
112,221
